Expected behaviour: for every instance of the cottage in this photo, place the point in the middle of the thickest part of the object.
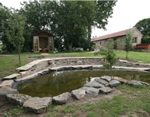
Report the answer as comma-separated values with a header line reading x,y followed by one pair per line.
x,y
119,38
43,42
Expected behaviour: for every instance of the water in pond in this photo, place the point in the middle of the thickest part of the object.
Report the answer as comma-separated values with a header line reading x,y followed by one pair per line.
x,y
56,83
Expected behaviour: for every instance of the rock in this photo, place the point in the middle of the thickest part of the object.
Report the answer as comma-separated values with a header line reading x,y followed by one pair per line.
x,y
18,99
105,90
76,67
7,83
12,76
91,91
145,83
104,82
92,79
7,90
135,83
86,66
123,81
97,66
79,62
107,78
62,98
78,93
38,105
114,83
94,84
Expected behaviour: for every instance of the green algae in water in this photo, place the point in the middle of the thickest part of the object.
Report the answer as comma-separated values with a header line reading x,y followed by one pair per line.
x,y
56,83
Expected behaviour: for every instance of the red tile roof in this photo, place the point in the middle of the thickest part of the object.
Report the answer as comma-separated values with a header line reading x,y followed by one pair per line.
x,y
116,34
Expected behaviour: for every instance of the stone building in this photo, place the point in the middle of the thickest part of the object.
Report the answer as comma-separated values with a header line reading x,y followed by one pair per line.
x,y
119,38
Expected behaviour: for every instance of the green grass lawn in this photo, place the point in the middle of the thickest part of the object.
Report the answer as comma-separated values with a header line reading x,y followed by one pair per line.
x,y
133,102
8,64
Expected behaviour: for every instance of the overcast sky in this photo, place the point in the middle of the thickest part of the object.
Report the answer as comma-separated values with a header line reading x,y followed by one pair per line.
x,y
126,14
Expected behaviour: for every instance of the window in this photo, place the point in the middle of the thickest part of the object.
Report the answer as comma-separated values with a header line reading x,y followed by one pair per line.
x,y
134,40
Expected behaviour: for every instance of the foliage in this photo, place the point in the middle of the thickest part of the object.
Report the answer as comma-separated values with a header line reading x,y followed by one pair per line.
x,y
4,16
109,55
70,21
144,27
14,32
128,42
146,39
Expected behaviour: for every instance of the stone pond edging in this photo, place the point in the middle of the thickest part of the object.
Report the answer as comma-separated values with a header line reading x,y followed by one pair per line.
x,y
99,85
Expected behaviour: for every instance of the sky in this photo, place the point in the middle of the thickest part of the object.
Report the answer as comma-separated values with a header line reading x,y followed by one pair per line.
x,y
126,14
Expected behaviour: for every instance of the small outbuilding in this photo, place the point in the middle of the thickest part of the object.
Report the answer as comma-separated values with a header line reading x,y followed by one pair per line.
x,y
43,42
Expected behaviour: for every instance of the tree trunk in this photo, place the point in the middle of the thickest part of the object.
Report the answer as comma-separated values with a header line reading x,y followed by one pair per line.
x,y
70,47
19,59
126,55
111,71
89,37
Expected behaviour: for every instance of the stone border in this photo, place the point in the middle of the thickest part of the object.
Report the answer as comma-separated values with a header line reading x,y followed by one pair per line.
x,y
39,65
97,85
103,85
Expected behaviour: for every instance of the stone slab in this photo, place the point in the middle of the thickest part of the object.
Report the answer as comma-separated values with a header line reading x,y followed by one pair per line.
x,y
23,74
114,83
37,105
135,83
91,91
24,68
131,68
101,81
61,99
123,81
97,66
94,84
76,67
18,99
78,94
7,83
12,76
107,78
105,90
7,90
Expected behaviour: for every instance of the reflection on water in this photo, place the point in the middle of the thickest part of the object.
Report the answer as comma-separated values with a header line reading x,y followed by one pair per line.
x,y
56,83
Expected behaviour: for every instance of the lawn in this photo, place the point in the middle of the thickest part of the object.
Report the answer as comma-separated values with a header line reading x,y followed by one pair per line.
x,y
133,102
8,64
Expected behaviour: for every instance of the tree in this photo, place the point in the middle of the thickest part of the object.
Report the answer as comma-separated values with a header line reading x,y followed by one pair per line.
x,y
104,10
73,19
144,27
109,55
128,42
14,32
4,16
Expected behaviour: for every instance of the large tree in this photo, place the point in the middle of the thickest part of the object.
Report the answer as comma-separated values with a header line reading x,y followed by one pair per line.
x,y
104,10
144,27
4,16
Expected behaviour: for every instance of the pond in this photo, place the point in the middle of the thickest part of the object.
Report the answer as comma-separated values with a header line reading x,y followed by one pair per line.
x,y
56,83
